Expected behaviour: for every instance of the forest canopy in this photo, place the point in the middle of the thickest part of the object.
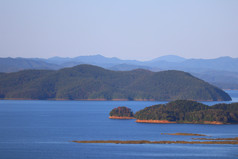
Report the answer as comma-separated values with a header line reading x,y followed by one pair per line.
x,y
121,112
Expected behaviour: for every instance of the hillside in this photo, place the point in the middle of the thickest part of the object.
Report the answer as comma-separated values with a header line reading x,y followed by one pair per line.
x,y
92,82
184,111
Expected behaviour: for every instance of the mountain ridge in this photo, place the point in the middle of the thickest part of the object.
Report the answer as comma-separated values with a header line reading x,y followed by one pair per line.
x,y
88,82
219,68
164,63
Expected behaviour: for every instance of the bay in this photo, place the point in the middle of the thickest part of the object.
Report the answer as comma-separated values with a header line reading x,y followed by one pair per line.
x,y
45,129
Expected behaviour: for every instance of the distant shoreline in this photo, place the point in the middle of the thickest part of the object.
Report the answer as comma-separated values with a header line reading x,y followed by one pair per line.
x,y
97,99
103,99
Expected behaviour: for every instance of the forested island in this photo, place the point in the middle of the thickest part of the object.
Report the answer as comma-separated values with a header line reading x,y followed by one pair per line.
x,y
87,82
185,111
121,113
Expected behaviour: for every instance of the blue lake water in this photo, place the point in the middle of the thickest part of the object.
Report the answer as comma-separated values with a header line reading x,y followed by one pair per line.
x,y
44,129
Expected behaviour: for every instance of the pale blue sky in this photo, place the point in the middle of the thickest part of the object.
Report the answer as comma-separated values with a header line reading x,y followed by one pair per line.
x,y
128,29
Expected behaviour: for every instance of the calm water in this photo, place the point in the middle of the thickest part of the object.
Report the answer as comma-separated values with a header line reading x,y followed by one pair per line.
x,y
44,129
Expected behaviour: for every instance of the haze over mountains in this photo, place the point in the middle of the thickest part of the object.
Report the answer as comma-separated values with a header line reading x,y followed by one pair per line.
x,y
221,72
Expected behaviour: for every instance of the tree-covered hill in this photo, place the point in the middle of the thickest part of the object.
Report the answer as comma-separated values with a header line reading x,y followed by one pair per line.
x,y
92,82
121,112
184,111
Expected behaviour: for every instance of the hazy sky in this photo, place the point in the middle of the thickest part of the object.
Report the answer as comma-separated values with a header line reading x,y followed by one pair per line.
x,y
128,29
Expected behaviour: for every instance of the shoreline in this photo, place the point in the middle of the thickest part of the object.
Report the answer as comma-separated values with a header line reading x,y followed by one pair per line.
x,y
96,99
173,122
214,122
103,99
120,117
155,121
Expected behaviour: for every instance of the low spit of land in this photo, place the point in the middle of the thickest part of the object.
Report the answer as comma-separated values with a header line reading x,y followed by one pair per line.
x,y
218,139
234,142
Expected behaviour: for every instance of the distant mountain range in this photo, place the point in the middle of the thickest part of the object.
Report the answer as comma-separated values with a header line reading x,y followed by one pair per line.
x,y
170,62
221,72
87,82
18,64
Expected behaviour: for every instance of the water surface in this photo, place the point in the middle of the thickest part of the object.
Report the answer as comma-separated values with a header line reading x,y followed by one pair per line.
x,y
44,129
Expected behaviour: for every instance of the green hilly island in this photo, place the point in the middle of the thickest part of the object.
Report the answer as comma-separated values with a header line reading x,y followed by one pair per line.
x,y
185,111
87,82
121,113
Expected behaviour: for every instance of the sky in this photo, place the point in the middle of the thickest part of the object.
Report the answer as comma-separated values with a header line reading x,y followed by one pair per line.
x,y
127,29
